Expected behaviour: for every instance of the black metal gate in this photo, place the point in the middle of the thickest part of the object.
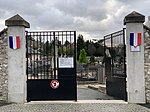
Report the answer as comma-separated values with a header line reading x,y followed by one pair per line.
x,y
51,65
115,64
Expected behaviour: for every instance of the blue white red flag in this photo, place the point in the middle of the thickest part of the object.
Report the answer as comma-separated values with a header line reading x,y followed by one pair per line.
x,y
135,39
14,42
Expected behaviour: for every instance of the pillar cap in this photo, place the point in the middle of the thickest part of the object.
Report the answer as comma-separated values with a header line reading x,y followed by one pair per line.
x,y
17,20
134,17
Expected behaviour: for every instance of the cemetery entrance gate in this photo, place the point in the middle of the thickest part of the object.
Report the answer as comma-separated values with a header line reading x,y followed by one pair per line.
x,y
51,65
115,64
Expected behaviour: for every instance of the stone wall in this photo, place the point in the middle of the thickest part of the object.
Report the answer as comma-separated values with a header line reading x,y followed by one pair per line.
x,y
147,64
3,66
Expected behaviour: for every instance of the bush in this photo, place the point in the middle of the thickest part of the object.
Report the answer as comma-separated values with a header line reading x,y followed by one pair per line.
x,y
92,59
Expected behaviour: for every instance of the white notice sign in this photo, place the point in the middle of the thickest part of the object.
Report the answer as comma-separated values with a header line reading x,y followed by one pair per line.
x,y
66,62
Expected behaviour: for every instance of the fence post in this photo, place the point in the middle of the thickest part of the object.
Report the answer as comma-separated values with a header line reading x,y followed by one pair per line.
x,y
135,57
16,59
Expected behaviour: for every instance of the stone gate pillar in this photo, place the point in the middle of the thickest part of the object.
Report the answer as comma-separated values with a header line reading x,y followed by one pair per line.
x,y
135,57
16,59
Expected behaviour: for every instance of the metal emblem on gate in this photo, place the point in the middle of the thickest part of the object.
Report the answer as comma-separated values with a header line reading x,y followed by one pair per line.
x,y
54,84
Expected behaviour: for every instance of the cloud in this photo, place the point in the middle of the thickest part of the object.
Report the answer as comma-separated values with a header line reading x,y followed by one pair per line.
x,y
92,18
82,8
53,19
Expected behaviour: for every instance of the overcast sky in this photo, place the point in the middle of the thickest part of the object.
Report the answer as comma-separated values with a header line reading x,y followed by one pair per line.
x,y
91,18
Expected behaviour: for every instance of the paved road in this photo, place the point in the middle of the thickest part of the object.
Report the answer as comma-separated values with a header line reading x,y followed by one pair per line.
x,y
84,93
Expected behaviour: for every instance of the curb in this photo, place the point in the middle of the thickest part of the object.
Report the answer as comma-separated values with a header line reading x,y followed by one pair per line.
x,y
92,87
99,88
102,89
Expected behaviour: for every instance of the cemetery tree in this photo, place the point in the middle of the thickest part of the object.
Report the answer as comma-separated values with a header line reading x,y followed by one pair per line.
x,y
99,51
80,45
47,48
82,57
92,59
91,49
87,46
67,43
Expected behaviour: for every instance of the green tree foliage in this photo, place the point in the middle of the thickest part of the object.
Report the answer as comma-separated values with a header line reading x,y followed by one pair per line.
x,y
67,43
66,51
92,59
80,45
82,57
91,49
99,51
61,51
47,48
87,46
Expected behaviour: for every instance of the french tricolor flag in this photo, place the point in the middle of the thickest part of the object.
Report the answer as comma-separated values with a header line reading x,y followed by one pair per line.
x,y
135,39
14,42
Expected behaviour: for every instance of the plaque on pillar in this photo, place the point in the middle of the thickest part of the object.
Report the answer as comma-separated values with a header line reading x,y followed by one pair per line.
x,y
14,42
135,42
